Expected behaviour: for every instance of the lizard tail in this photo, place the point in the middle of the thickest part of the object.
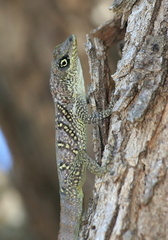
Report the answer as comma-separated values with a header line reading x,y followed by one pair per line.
x,y
70,218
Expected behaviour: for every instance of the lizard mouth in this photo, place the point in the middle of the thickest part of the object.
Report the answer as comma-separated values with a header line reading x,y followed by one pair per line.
x,y
70,43
72,39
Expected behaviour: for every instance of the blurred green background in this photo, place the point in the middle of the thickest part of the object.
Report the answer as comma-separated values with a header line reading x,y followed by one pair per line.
x,y
29,31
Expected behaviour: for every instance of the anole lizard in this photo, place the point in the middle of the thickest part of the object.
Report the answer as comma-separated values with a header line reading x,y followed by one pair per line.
x,y
71,116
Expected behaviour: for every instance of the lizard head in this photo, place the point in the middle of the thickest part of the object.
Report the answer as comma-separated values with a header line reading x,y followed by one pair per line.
x,y
65,71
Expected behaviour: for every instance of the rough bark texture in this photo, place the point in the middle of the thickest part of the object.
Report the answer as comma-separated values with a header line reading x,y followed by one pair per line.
x,y
131,202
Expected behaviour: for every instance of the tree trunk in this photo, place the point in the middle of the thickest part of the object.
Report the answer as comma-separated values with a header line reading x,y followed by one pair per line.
x,y
131,202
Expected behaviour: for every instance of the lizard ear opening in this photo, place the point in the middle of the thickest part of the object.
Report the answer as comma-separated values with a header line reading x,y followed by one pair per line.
x,y
64,62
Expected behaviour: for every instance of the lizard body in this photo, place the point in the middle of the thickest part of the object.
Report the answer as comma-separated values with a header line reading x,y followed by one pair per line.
x,y
71,116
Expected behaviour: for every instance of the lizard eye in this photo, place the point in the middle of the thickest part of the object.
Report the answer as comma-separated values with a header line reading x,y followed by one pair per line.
x,y
64,62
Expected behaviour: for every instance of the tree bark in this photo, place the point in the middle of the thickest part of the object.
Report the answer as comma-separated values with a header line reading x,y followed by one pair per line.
x,y
131,202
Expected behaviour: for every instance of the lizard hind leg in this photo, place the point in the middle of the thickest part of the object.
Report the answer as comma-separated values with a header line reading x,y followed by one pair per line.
x,y
95,168
72,194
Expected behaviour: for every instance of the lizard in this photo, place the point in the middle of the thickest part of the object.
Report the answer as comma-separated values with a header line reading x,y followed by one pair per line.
x,y
71,116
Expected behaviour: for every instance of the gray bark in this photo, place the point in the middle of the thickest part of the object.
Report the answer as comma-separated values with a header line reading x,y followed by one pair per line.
x,y
130,202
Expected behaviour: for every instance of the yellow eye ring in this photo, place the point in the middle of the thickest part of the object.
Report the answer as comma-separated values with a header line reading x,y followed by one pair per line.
x,y
64,62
